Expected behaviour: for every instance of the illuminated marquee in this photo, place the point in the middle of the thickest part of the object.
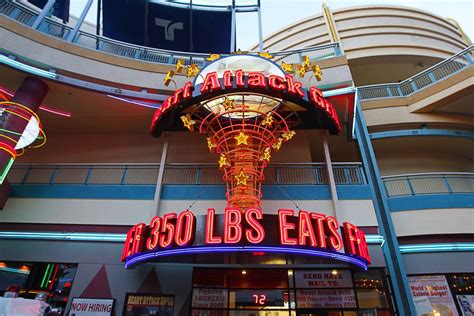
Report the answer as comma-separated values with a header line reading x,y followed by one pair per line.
x,y
238,80
181,233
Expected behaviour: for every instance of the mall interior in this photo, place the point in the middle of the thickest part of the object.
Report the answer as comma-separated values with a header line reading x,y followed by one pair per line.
x,y
90,160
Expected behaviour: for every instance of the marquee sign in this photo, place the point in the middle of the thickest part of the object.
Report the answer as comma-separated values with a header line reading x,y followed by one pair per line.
x,y
307,233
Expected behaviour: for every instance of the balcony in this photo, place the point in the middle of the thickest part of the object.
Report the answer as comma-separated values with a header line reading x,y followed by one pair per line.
x,y
180,181
430,191
27,16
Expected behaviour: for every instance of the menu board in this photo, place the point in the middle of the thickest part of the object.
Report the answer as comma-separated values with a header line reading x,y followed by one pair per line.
x,y
336,298
466,303
210,298
148,304
323,278
431,293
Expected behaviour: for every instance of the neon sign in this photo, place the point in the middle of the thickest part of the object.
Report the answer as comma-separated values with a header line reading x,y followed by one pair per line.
x,y
251,230
285,87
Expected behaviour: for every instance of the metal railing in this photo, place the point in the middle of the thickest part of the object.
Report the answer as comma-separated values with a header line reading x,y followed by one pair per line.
x,y
429,183
27,16
196,174
437,72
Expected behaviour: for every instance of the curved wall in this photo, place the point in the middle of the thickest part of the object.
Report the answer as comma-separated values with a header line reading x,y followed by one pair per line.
x,y
374,31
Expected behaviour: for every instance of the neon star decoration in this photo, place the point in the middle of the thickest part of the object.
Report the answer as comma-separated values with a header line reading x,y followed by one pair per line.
x,y
277,145
188,122
168,77
241,178
288,135
213,57
287,67
179,65
266,154
228,104
306,62
266,55
268,120
241,139
223,161
210,144
192,70
301,70
317,72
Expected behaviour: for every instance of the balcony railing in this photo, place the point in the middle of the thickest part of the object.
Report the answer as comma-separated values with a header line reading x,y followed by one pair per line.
x,y
27,16
429,183
147,174
436,73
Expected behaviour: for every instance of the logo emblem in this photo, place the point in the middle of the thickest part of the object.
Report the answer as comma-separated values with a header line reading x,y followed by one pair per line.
x,y
169,27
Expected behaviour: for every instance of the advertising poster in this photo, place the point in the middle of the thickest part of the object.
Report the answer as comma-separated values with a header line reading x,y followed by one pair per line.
x,y
466,303
210,298
91,306
148,304
431,294
337,298
323,278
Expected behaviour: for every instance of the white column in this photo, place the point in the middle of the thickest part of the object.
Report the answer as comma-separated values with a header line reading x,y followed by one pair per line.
x,y
332,182
46,10
79,22
159,182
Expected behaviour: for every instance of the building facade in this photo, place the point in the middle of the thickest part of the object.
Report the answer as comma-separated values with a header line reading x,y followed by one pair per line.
x,y
400,170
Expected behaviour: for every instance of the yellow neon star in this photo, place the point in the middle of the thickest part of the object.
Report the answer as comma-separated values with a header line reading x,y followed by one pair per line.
x,y
287,67
288,135
213,57
241,139
222,161
266,154
277,145
210,144
188,122
266,55
317,72
306,63
228,104
301,71
241,178
168,77
179,65
268,120
192,70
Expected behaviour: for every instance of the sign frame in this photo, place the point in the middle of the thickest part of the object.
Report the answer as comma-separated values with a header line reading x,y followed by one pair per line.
x,y
127,294
92,298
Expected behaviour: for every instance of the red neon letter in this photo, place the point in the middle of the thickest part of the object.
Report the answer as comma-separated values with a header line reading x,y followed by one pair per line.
x,y
187,90
167,230
232,226
138,240
276,83
152,240
227,79
256,80
364,248
333,238
285,227
239,79
210,239
127,247
350,239
320,236
294,87
252,216
306,229
185,220
211,83
166,104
